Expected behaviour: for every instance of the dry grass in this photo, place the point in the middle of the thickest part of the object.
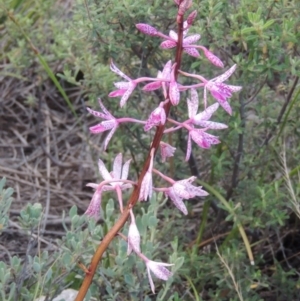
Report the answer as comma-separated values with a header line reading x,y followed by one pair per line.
x,y
44,154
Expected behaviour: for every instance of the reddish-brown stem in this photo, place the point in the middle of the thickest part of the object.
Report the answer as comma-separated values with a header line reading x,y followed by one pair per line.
x,y
135,194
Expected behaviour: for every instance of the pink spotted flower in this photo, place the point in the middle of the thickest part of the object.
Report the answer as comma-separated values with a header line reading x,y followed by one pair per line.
x,y
202,119
180,190
165,77
166,151
110,123
119,172
156,118
124,88
157,268
220,91
184,190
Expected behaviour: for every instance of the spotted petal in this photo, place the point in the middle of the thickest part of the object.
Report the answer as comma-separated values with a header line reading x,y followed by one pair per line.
x,y
191,51
168,44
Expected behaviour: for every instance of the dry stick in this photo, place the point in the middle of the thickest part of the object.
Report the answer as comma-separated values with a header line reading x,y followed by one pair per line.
x,y
135,194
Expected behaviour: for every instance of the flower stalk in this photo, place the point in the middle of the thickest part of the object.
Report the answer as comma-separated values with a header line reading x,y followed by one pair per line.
x,y
179,190
135,194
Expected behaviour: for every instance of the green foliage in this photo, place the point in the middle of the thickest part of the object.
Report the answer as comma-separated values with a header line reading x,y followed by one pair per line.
x,y
263,39
46,273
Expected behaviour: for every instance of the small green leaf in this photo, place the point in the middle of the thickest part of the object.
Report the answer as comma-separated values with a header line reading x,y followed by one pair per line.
x,y
36,267
73,211
129,279
268,23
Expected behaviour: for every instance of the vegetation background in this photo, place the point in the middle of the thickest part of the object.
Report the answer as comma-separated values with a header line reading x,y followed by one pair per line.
x,y
54,61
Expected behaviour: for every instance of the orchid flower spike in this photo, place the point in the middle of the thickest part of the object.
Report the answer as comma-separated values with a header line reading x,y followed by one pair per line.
x,y
124,88
110,123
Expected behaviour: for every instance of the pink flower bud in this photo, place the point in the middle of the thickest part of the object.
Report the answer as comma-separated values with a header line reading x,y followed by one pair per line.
x,y
190,19
146,29
134,237
213,58
184,6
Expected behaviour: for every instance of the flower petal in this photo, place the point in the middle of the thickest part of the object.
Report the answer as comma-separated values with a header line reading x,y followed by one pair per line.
x,y
116,70
103,126
221,78
117,93
173,35
203,139
191,39
122,85
152,86
125,170
188,148
166,73
206,114
226,106
193,103
146,187
134,239
103,171
212,125
168,44
191,51
117,167
213,58
126,95
97,114
109,136
174,93
94,206
177,201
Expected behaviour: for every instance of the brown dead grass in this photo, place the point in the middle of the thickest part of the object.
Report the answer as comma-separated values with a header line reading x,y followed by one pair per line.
x,y
45,154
